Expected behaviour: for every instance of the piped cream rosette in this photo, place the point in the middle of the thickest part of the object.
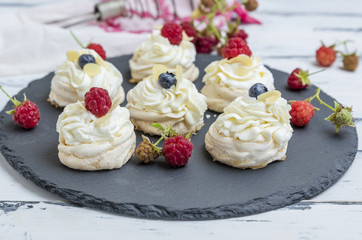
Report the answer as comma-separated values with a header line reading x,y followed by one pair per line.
x,y
228,79
181,106
251,133
70,82
90,143
158,50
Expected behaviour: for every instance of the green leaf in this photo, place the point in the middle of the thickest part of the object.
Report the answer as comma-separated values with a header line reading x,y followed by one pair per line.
x,y
11,112
157,125
188,135
173,133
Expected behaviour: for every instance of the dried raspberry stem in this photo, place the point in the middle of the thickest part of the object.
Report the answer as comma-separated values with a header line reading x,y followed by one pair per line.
x,y
347,52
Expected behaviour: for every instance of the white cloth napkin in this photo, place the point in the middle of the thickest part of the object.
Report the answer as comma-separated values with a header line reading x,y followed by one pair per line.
x,y
28,46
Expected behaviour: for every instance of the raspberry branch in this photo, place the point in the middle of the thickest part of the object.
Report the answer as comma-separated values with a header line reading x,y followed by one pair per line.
x,y
341,116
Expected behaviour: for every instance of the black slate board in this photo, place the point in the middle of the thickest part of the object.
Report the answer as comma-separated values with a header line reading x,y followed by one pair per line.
x,y
316,158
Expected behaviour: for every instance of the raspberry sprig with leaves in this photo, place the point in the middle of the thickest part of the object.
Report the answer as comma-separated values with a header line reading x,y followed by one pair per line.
x,y
341,116
210,35
177,149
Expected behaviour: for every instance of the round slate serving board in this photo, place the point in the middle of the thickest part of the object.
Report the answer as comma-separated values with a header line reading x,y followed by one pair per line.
x,y
316,158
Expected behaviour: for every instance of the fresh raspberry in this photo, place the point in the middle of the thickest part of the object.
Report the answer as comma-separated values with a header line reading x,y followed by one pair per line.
x,y
301,113
235,47
205,44
98,48
189,30
350,62
298,79
173,32
177,150
326,56
27,115
97,101
240,34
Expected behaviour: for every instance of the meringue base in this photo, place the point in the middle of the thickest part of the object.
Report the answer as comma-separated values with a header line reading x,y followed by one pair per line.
x,y
112,158
242,154
191,73
179,127
218,99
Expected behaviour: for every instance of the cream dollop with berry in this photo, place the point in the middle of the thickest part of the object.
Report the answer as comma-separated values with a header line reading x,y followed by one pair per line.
x,y
87,142
71,81
158,50
228,79
178,104
251,133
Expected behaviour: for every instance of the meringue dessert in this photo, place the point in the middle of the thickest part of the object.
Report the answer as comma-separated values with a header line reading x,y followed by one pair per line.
x,y
158,50
82,70
228,79
168,100
88,142
251,133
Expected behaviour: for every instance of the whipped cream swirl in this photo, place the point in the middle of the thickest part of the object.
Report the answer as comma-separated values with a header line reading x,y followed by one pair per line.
x,y
77,126
157,49
248,119
70,82
148,101
240,72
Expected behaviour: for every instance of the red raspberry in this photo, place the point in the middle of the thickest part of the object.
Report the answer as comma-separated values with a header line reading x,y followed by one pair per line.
x,y
189,30
326,56
173,32
97,101
298,79
177,150
98,48
205,44
27,115
301,113
235,47
240,34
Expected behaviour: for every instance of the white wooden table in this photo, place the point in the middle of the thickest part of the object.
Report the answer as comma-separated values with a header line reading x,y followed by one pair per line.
x,y
288,38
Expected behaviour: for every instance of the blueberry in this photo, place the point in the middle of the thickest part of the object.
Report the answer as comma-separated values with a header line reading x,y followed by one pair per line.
x,y
257,89
166,80
84,59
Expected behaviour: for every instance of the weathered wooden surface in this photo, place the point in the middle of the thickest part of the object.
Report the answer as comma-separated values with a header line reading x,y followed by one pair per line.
x,y
288,38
